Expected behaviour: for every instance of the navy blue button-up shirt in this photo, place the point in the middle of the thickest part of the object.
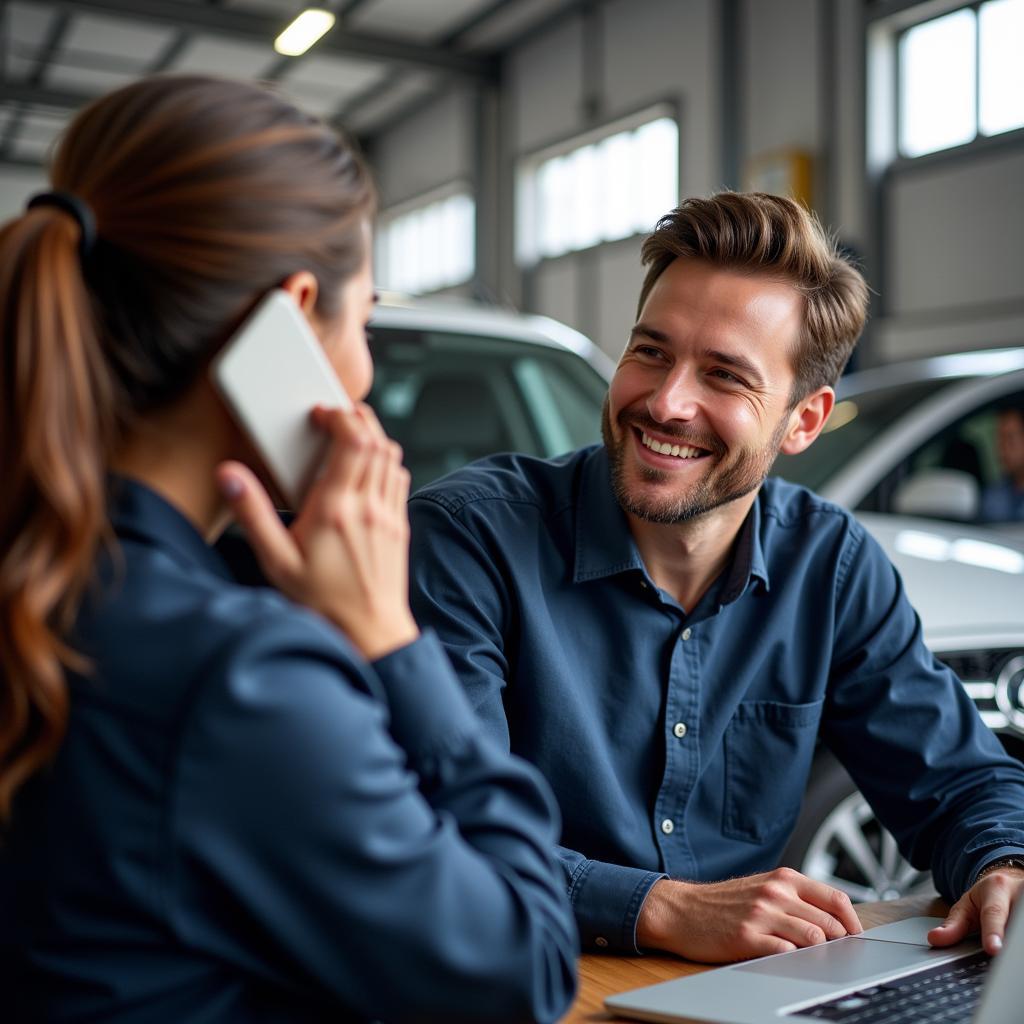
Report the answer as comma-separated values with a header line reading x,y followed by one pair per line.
x,y
248,822
678,741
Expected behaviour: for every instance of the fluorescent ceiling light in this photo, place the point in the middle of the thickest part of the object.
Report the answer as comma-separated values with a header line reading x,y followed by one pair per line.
x,y
303,32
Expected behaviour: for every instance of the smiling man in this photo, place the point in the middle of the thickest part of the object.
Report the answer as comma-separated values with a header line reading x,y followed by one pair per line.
x,y
665,630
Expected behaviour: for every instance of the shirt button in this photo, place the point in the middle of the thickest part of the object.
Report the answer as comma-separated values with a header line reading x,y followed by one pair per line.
x,y
601,941
679,730
668,826
643,584
687,633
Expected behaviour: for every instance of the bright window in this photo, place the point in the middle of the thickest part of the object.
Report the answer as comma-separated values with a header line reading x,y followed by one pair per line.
x,y
599,188
426,245
960,76
1001,49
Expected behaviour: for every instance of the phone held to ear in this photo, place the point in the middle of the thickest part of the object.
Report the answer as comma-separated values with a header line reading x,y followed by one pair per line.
x,y
272,372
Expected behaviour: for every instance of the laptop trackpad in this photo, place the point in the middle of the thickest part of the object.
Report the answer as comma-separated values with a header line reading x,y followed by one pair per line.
x,y
844,961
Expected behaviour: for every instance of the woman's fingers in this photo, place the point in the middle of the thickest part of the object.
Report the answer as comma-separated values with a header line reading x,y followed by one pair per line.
x,y
396,482
274,546
350,448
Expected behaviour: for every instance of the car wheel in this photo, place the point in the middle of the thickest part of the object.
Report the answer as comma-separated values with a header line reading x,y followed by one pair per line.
x,y
839,841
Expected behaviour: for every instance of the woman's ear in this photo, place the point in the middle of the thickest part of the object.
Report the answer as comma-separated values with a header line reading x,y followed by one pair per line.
x,y
302,287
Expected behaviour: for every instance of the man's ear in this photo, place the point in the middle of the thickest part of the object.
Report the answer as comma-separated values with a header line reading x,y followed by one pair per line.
x,y
807,420
302,287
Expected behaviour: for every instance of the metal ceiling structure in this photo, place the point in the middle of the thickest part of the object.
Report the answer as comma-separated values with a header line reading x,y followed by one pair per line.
x,y
381,58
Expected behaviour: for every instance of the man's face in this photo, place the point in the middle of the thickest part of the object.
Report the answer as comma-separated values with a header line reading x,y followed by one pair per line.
x,y
1010,443
700,402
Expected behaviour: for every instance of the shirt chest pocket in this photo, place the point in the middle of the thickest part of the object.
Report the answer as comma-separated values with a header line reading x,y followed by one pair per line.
x,y
768,752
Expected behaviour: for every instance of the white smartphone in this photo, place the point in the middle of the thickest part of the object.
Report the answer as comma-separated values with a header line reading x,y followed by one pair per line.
x,y
271,373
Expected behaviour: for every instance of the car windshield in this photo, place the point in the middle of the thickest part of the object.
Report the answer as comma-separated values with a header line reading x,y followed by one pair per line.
x,y
449,398
854,424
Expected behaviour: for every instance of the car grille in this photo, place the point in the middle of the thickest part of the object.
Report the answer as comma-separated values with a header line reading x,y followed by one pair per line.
x,y
994,680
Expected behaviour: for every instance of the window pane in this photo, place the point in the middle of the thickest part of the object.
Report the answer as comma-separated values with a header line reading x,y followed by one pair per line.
x,y
404,235
1001,46
527,218
428,248
464,220
586,197
657,158
937,84
428,242
619,193
598,192
555,207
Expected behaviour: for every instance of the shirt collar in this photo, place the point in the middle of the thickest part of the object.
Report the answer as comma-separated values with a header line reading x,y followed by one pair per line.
x,y
605,546
748,555
138,513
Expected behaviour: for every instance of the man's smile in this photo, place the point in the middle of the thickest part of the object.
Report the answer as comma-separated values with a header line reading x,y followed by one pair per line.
x,y
679,451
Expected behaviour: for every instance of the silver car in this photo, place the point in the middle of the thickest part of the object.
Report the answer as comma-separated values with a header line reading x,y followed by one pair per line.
x,y
915,437
967,584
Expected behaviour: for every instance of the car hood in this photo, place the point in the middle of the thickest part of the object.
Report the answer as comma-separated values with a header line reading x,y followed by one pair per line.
x,y
964,581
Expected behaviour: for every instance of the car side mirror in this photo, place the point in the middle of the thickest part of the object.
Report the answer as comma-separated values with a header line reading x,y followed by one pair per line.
x,y
939,494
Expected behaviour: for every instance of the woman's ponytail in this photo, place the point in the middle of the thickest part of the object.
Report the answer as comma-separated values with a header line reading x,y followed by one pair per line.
x,y
56,427
182,200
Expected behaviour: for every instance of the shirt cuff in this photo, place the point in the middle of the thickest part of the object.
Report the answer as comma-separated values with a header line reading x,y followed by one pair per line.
x,y
991,856
430,716
606,899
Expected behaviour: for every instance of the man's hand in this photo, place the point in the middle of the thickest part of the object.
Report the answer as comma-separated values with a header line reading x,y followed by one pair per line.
x,y
744,917
986,907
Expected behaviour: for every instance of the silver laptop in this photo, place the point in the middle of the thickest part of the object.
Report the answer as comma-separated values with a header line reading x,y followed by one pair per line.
x,y
884,974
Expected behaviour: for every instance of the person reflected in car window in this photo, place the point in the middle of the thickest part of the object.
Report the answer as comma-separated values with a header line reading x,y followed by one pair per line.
x,y
219,802
1003,501
667,630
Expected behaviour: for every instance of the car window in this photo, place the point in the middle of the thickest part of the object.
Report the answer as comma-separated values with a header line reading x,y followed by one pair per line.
x,y
968,445
449,398
854,423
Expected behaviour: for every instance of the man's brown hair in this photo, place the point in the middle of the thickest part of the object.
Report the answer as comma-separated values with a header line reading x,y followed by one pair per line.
x,y
763,234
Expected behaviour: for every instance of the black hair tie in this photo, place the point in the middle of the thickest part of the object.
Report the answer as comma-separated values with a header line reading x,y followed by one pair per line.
x,y
78,208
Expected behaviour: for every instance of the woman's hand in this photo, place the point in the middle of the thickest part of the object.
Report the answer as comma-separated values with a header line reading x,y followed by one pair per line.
x,y
346,555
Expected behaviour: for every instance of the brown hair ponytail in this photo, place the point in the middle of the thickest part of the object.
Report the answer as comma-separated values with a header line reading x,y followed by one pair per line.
x,y
206,193
54,429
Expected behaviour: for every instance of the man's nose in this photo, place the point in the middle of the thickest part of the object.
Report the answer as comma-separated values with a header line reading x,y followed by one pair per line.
x,y
675,398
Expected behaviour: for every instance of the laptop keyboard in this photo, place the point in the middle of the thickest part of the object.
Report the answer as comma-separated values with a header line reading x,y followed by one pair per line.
x,y
940,995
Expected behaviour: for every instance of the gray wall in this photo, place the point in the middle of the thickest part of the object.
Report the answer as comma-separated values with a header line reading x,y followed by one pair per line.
x,y
16,186
956,277
939,237
429,149
634,54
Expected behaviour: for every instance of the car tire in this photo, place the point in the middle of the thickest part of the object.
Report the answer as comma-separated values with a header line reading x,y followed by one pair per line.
x,y
839,841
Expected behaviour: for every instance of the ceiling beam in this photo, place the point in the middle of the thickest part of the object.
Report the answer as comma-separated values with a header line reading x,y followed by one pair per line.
x,y
22,163
43,96
261,28
379,89
55,34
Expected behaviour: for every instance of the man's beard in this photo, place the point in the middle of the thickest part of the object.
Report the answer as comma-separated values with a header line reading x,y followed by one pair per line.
x,y
722,482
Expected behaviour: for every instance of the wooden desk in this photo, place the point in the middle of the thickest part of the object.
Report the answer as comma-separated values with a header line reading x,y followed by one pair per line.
x,y
602,976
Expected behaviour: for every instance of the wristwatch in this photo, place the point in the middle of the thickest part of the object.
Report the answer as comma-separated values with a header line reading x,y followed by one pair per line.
x,y
1002,862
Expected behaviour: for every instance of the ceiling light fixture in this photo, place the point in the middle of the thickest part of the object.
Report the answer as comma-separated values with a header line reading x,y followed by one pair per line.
x,y
304,31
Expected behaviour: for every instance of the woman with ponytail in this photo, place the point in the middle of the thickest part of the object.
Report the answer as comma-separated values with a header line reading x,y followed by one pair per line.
x,y
223,803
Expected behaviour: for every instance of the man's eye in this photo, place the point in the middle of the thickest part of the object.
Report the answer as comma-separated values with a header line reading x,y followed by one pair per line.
x,y
648,350
726,375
